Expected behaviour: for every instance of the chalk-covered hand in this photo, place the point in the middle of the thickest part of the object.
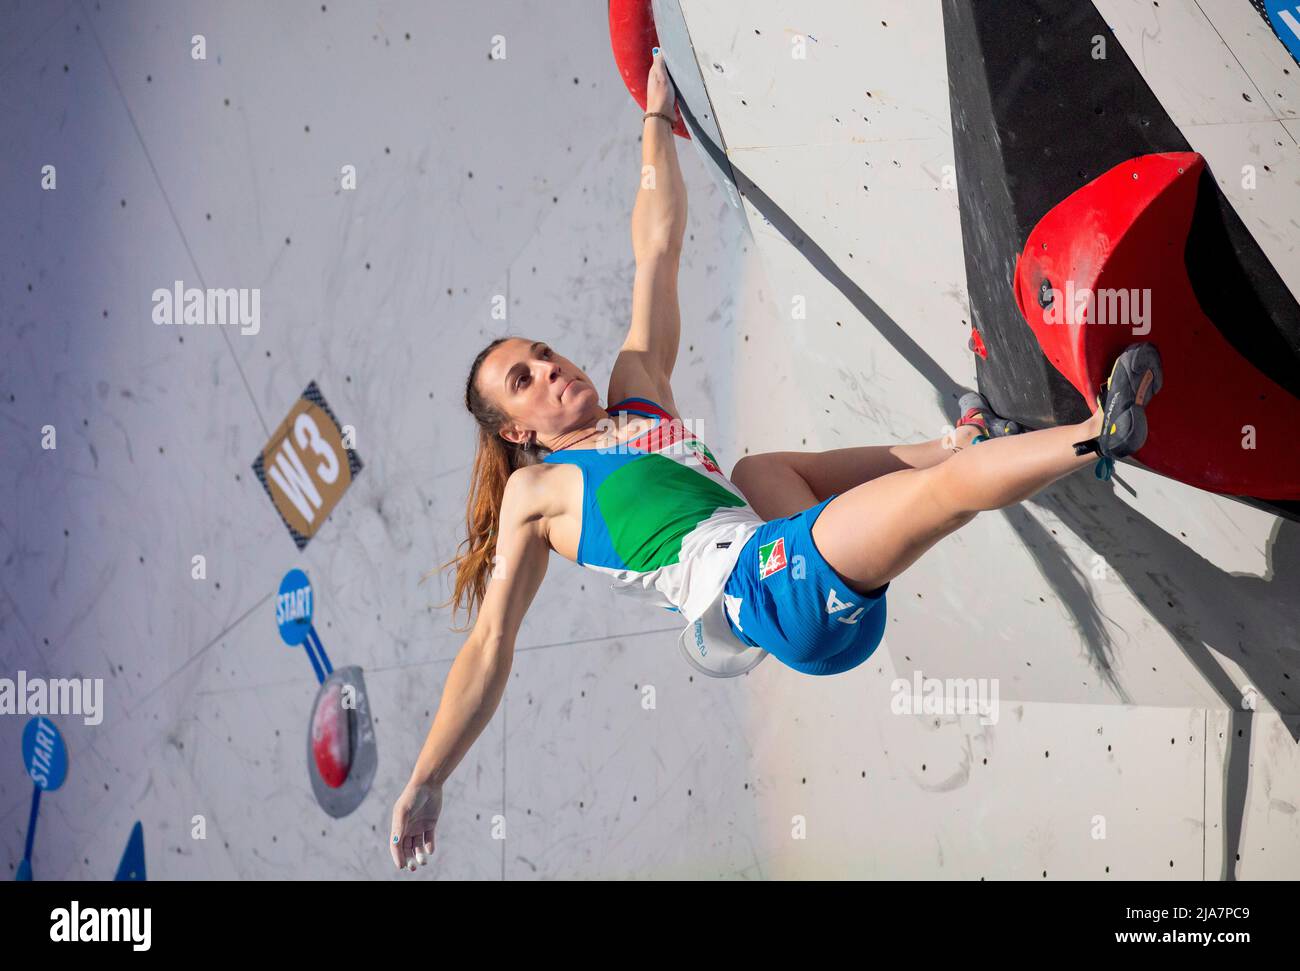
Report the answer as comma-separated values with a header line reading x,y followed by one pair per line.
x,y
660,95
414,817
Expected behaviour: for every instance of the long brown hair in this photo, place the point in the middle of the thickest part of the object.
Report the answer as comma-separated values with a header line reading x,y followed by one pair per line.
x,y
494,461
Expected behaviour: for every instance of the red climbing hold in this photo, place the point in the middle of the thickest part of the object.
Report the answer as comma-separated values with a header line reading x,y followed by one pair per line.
x,y
1105,268
331,737
632,36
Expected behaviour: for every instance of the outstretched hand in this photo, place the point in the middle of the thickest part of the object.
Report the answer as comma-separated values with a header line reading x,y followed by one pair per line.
x,y
660,95
414,817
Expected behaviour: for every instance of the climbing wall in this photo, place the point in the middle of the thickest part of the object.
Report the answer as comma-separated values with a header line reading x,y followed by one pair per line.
x,y
387,177
1131,625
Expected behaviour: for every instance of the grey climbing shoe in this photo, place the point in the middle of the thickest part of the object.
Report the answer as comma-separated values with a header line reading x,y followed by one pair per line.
x,y
975,411
1134,380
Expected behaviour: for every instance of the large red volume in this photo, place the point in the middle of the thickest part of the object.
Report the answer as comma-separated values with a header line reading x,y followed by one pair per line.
x,y
1126,232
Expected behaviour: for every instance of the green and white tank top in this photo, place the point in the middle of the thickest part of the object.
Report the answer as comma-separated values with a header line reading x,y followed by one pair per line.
x,y
658,516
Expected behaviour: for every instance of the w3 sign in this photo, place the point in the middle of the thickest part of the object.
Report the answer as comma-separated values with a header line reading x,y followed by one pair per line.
x,y
307,466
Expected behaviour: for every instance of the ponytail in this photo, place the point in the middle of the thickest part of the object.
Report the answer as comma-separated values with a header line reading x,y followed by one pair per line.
x,y
495,459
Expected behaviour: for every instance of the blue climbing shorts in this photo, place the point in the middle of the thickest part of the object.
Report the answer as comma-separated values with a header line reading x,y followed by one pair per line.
x,y
793,604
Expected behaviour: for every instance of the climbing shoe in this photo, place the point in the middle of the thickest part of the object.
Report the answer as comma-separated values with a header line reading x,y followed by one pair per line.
x,y
1134,380
975,411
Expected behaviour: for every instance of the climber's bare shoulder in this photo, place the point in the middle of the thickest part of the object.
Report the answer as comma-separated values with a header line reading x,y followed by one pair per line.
x,y
546,499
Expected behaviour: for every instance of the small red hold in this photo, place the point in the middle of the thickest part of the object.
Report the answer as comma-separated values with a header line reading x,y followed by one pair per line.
x,y
632,35
976,344
331,738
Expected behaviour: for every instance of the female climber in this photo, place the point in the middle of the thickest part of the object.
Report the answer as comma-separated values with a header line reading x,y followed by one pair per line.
x,y
800,547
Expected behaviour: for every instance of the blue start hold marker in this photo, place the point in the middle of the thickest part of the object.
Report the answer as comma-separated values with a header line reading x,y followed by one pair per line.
x,y
45,758
44,754
293,608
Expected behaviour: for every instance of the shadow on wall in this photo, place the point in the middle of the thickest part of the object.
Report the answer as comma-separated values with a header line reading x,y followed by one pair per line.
x,y
1250,620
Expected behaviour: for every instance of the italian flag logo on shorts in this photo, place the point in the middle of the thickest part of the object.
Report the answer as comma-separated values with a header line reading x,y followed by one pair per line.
x,y
771,558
